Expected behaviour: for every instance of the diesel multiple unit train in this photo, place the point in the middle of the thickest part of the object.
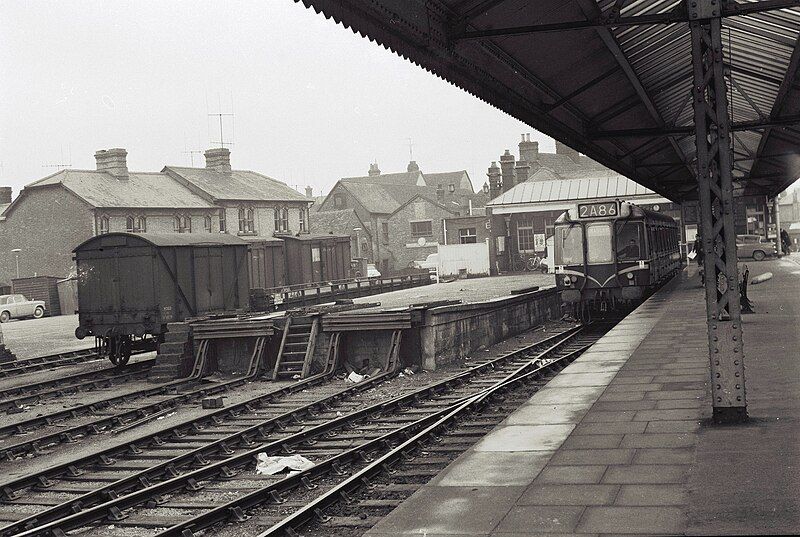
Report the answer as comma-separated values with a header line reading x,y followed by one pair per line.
x,y
611,255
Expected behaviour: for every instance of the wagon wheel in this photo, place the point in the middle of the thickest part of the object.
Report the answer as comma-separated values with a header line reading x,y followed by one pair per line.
x,y
123,351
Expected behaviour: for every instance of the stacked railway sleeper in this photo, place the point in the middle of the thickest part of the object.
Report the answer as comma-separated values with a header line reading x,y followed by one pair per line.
x,y
203,475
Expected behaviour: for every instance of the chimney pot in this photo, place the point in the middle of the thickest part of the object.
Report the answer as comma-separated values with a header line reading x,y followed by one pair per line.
x,y
529,151
309,192
374,170
413,166
112,161
218,159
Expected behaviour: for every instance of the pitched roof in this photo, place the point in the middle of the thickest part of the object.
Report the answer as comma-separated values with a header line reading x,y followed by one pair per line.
x,y
384,198
602,185
341,221
403,178
560,163
429,200
140,190
446,178
235,185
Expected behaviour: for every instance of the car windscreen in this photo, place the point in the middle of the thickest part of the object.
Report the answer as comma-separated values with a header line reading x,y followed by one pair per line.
x,y
569,245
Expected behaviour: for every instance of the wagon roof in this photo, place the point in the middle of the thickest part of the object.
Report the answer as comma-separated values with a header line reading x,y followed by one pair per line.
x,y
171,239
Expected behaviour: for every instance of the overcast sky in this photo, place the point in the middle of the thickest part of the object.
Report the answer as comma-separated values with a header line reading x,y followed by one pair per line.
x,y
312,101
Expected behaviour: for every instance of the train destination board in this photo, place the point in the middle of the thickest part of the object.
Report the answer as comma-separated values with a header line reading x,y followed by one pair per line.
x,y
597,210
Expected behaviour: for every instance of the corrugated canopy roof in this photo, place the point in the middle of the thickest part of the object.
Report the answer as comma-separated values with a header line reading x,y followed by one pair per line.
x,y
584,71
616,186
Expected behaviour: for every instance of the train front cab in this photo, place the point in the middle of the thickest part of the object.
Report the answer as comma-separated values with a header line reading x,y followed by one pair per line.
x,y
606,261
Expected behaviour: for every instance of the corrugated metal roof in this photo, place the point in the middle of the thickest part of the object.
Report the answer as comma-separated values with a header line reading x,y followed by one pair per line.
x,y
571,189
573,83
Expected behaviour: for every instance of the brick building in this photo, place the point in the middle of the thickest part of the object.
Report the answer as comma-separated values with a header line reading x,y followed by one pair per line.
x,y
54,214
402,213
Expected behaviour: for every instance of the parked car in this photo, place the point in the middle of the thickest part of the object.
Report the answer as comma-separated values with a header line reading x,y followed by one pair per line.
x,y
431,263
755,246
18,307
372,272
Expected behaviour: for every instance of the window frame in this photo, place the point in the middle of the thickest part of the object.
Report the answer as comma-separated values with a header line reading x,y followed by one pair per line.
x,y
471,233
416,234
136,224
103,224
184,219
223,221
385,232
247,220
559,249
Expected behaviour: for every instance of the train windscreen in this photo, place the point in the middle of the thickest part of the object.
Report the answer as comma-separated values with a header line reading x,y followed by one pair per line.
x,y
598,242
629,241
569,245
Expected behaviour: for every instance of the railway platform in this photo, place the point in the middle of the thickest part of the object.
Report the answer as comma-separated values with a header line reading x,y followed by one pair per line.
x,y
621,442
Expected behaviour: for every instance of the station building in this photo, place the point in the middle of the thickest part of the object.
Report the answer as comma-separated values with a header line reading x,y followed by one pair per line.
x,y
54,214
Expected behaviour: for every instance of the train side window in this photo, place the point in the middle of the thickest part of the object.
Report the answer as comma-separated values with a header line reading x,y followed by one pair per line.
x,y
598,243
569,245
629,241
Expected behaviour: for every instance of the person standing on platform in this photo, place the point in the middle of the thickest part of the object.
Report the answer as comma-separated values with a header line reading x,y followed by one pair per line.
x,y
786,243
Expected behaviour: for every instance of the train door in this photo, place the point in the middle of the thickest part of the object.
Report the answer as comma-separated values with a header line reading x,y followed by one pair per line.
x,y
209,279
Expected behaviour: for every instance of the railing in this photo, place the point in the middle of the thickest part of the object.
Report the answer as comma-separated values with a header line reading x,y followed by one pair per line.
x,y
316,293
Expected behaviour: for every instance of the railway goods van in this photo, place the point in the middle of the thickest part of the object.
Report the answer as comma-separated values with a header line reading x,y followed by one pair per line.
x,y
298,259
131,285
610,255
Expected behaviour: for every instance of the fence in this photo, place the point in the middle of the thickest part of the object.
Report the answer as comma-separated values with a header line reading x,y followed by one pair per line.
x,y
464,259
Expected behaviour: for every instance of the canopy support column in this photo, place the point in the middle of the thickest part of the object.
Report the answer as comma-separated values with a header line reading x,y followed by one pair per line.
x,y
715,188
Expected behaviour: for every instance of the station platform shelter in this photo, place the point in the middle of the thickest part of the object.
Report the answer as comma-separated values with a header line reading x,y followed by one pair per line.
x,y
622,441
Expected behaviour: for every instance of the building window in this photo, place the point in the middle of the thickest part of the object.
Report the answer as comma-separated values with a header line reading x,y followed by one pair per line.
x,y
281,219
247,220
422,229
303,219
223,222
339,201
102,225
467,235
207,223
525,240
385,231
183,223
136,224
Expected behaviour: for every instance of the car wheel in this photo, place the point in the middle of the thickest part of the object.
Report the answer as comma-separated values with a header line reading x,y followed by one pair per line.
x,y
38,313
5,317
758,255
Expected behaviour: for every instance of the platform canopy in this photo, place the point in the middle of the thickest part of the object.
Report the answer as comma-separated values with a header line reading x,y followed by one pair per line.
x,y
611,78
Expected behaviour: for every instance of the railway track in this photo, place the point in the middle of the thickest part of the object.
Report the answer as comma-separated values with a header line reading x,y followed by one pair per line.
x,y
181,478
50,361
13,399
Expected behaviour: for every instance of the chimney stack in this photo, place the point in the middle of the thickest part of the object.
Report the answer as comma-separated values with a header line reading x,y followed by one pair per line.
x,y
218,159
529,151
374,170
563,149
495,181
5,194
413,166
112,161
507,170
522,171
309,192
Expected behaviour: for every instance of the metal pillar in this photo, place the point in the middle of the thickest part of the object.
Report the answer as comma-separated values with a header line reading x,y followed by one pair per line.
x,y
776,216
714,179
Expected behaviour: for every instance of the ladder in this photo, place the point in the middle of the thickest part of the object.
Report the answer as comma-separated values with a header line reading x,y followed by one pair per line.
x,y
297,348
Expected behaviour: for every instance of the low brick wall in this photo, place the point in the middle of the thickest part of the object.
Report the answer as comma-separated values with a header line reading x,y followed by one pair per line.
x,y
450,333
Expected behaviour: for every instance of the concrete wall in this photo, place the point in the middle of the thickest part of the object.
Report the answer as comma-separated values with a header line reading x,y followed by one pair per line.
x,y
450,333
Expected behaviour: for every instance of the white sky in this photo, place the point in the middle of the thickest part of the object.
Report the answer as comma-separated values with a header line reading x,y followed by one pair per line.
x,y
313,102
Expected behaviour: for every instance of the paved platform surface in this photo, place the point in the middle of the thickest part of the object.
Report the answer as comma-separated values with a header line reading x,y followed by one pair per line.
x,y
468,290
29,338
619,442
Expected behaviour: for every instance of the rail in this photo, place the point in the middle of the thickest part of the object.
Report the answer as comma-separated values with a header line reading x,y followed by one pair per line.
x,y
316,293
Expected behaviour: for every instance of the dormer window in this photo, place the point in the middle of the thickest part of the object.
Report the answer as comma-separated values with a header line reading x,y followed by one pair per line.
x,y
103,225
183,223
281,219
136,224
247,220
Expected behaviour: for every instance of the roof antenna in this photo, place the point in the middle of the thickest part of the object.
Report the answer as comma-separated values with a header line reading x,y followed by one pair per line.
x,y
61,165
222,143
410,149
